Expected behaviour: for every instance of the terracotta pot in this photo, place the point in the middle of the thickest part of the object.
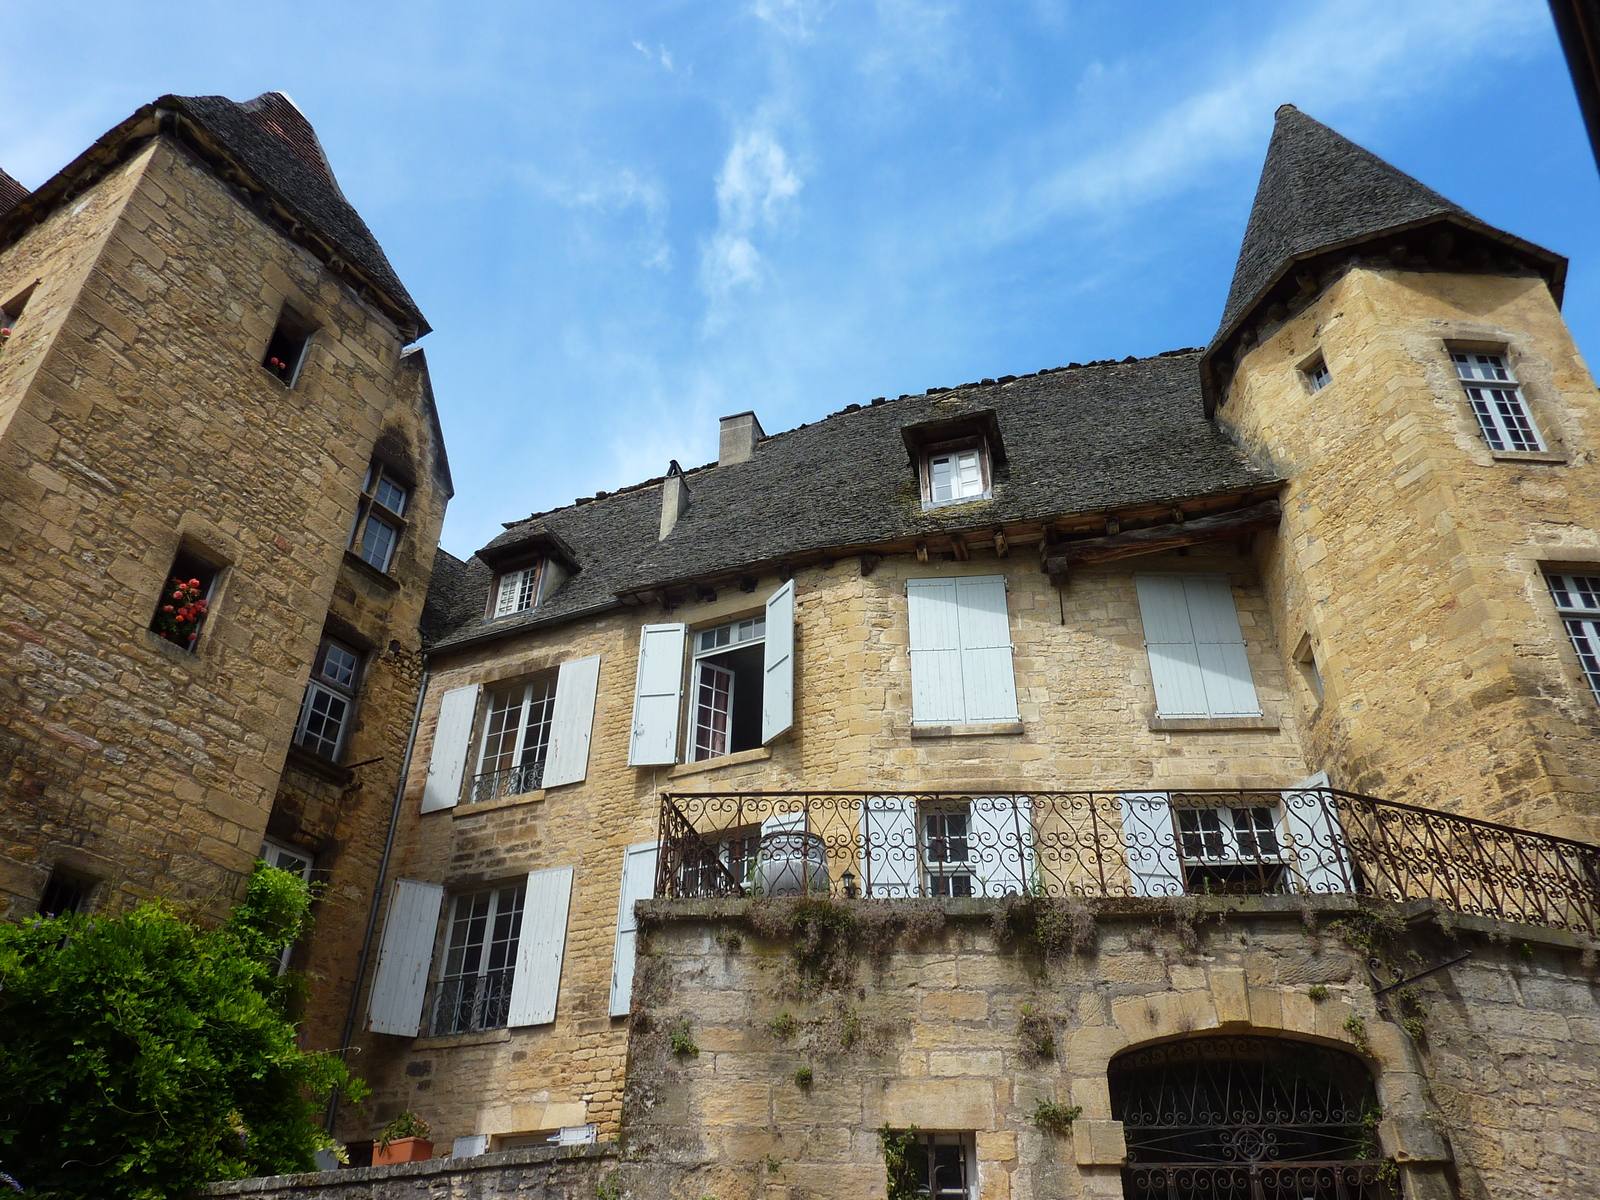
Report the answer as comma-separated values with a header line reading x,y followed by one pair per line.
x,y
402,1150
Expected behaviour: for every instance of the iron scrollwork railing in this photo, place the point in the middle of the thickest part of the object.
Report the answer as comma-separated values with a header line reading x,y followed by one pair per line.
x,y
470,1003
1128,843
514,781
1357,1180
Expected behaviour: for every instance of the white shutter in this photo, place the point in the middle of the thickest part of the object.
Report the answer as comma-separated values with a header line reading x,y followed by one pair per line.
x,y
988,683
539,950
1315,838
572,722
1169,639
936,691
889,831
638,883
451,735
1151,844
657,691
777,688
1219,645
401,982
506,599
1000,844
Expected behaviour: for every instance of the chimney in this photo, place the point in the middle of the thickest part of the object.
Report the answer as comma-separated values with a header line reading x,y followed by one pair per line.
x,y
674,499
740,433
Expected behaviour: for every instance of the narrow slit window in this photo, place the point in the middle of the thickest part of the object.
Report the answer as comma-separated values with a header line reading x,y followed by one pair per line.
x,y
185,600
286,349
1496,400
1317,375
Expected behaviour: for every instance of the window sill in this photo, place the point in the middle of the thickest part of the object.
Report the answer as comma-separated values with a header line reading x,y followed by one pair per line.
x,y
362,567
301,759
992,729
448,1041
759,754
471,810
1533,456
1212,724
940,505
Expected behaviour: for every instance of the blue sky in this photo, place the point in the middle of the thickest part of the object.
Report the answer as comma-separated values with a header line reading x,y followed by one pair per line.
x,y
626,220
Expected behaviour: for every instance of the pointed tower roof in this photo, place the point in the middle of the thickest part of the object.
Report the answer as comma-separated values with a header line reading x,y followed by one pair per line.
x,y
1321,194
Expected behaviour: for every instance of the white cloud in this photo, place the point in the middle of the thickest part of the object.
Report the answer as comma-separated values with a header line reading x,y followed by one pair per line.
x,y
796,20
613,194
662,56
755,189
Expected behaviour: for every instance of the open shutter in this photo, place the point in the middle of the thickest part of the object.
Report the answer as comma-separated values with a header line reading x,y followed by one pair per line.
x,y
889,833
988,683
1169,639
572,722
1000,844
656,695
638,883
401,982
451,735
539,951
1315,838
1219,646
936,691
1151,844
777,687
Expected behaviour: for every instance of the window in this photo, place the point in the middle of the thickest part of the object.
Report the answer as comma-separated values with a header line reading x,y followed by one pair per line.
x,y
955,473
516,740
11,311
380,517
1577,599
185,599
945,852
727,678
480,962
1496,401
1317,376
960,651
945,1166
1305,657
286,858
329,700
286,349
1230,850
518,591
65,893
1196,647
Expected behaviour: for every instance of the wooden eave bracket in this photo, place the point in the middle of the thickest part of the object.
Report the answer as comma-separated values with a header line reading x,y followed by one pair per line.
x,y
1063,556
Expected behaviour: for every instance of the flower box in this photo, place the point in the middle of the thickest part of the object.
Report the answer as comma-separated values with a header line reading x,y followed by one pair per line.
x,y
402,1150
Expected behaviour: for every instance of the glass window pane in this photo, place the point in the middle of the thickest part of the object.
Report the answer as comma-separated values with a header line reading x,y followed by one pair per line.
x,y
713,711
339,664
392,496
378,542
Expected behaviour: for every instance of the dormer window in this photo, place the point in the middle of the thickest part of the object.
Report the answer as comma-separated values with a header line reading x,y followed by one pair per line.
x,y
959,473
518,591
955,457
380,518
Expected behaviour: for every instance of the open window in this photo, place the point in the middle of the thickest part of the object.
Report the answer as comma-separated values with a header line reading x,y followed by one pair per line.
x,y
516,739
1577,600
184,602
329,702
65,893
380,516
517,590
11,311
286,349
725,681
474,992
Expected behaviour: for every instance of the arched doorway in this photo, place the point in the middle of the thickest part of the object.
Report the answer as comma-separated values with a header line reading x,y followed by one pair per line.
x,y
1247,1118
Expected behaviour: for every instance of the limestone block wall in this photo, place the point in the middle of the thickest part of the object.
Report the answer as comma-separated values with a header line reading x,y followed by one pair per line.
x,y
1411,555
1491,1093
135,417
1085,698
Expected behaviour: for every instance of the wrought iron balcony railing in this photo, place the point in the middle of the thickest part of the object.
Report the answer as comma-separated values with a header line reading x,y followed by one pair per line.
x,y
1134,843
514,781
470,1003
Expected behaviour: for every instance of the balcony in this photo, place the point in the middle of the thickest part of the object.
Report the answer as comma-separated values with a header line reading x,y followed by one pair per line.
x,y
884,845
514,781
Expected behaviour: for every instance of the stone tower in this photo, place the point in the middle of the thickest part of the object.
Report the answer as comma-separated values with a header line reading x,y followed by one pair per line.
x,y
1406,367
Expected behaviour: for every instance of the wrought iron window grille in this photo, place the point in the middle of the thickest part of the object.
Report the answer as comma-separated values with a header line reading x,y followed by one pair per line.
x,y
513,781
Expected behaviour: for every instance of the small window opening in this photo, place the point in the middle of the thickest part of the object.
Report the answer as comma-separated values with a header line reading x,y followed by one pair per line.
x,y
286,350
1496,399
185,600
1577,600
1317,374
946,1166
287,858
10,311
329,701
1305,657
65,893
518,591
380,517
474,992
727,678
516,740
953,473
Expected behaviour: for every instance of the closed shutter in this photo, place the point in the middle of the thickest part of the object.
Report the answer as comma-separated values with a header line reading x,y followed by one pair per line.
x,y
656,695
638,883
889,833
1169,640
543,942
936,697
572,723
1001,845
1315,839
1219,643
401,982
988,683
1151,844
777,688
451,736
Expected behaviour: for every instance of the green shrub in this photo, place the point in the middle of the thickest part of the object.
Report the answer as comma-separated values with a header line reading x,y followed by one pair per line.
x,y
406,1125
683,1042
803,1077
1057,1118
900,1161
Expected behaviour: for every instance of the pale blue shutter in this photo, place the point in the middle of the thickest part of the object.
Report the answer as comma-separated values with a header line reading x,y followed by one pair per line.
x,y
1315,839
936,691
540,949
1000,845
572,722
1219,646
657,691
890,858
401,981
988,683
638,883
777,688
1169,639
451,734
1151,844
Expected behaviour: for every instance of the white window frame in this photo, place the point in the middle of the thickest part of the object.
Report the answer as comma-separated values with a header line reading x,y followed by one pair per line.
x,y
1222,840
371,511
500,941
948,870
537,699
517,591
1577,600
285,857
928,1143
981,488
331,688
1495,397
742,632
1317,374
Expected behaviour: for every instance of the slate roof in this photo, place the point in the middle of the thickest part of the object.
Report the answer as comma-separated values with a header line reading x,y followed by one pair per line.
x,y
1079,440
12,193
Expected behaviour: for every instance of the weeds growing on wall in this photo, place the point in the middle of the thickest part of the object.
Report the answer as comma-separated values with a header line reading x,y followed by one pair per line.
x,y
900,1161
1381,936
683,1043
1054,929
1056,1118
828,938
1037,1033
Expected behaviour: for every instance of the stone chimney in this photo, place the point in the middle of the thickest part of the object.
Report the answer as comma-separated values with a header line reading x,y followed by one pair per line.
x,y
740,433
674,499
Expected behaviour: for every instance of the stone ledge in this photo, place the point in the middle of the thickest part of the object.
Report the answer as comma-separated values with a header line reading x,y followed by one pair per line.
x,y
312,1181
991,729
489,806
1529,456
759,754
446,1041
1211,724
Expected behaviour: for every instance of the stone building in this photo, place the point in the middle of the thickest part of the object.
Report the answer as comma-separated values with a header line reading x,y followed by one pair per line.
x,y
208,378
997,780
